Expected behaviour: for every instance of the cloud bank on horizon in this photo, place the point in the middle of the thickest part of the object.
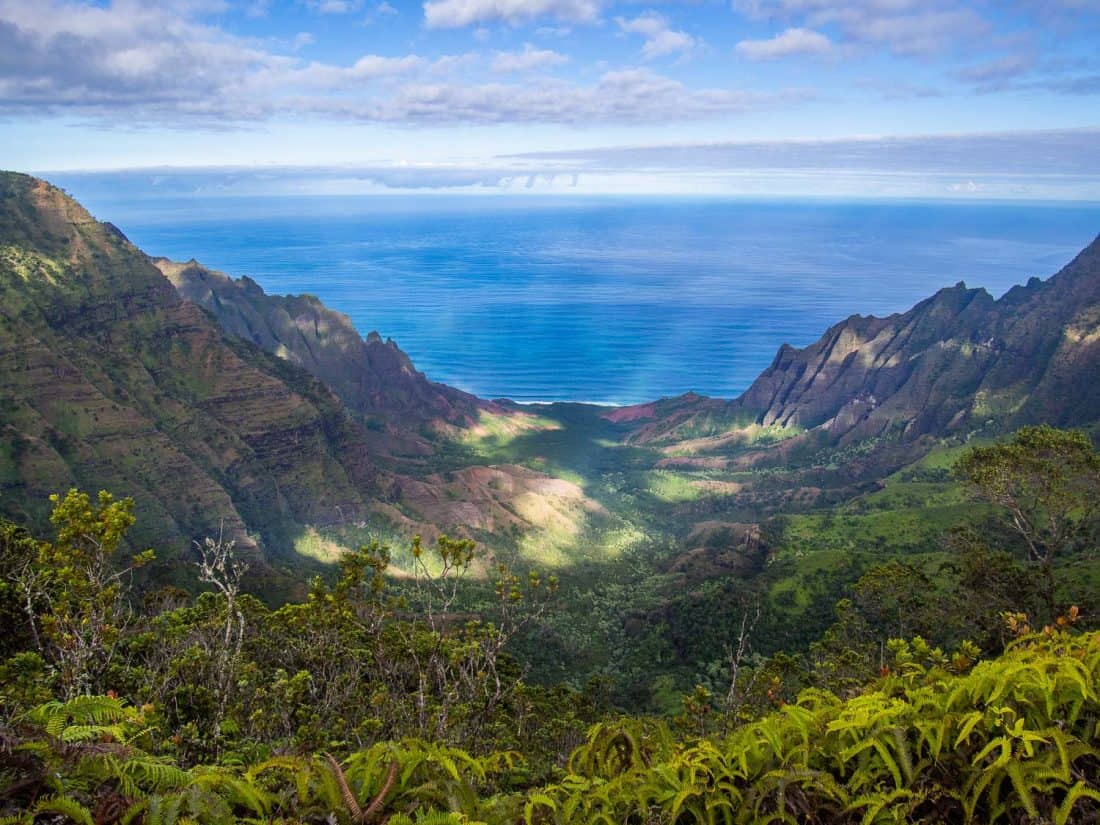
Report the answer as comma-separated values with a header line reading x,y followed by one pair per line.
x,y
997,98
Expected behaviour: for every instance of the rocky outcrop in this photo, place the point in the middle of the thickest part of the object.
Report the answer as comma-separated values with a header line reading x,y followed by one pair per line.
x,y
718,548
373,377
957,362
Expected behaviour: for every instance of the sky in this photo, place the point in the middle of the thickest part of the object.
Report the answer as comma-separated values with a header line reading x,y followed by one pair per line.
x,y
907,98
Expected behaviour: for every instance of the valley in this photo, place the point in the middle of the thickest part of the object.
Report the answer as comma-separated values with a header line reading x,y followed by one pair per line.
x,y
270,420
549,412
551,566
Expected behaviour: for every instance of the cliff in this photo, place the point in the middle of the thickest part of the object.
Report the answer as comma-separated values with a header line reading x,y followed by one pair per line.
x,y
111,381
955,363
264,418
374,378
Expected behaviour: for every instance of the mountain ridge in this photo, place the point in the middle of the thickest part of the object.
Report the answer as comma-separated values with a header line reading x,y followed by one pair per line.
x,y
959,360
115,382
374,378
109,379
222,408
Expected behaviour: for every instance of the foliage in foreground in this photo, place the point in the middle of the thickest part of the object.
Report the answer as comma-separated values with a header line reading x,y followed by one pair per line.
x,y
373,702
1012,740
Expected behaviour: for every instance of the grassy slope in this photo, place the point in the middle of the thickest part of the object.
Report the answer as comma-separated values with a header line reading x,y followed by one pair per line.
x,y
621,604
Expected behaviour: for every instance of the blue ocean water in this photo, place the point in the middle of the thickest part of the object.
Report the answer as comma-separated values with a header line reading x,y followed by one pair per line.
x,y
610,300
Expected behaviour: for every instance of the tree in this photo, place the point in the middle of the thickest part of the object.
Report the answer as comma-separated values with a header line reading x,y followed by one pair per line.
x,y
1048,482
219,566
459,659
18,550
77,590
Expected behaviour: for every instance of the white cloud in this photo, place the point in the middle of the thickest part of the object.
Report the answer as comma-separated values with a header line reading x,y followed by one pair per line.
x,y
129,63
446,14
920,33
995,72
323,76
1052,152
334,6
128,55
378,12
628,96
660,39
789,42
905,27
1056,164
530,59
969,187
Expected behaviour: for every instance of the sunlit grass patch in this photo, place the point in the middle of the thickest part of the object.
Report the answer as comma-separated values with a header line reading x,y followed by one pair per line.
x,y
740,436
613,543
804,566
312,544
30,266
494,430
672,487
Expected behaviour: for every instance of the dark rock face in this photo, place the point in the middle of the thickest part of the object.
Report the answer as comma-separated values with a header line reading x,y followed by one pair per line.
x,y
956,362
717,548
374,378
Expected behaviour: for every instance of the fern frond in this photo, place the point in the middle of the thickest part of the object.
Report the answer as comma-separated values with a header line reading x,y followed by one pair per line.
x,y
66,807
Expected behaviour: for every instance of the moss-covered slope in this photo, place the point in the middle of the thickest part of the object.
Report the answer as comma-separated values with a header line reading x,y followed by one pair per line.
x,y
109,380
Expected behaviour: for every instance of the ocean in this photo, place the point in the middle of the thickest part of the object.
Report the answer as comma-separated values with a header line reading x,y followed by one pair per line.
x,y
609,300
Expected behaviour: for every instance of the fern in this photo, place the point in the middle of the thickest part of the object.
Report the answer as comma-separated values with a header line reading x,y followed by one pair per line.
x,y
66,807
1007,741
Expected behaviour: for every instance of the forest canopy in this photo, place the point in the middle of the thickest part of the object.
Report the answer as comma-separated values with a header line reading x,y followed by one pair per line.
x,y
381,698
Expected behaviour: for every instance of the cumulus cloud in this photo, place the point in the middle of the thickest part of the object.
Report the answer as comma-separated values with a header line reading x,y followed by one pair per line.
x,y
785,44
450,14
624,96
530,59
660,38
128,54
905,27
325,76
134,63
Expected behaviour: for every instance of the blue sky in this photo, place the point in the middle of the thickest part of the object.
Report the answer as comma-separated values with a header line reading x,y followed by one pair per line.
x,y
936,98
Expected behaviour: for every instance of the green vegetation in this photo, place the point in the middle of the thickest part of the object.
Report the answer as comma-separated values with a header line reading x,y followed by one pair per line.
x,y
1047,480
791,622
884,686
1006,741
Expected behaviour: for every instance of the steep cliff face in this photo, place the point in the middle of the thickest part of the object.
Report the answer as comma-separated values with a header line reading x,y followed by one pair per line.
x,y
374,378
109,380
283,422
957,362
